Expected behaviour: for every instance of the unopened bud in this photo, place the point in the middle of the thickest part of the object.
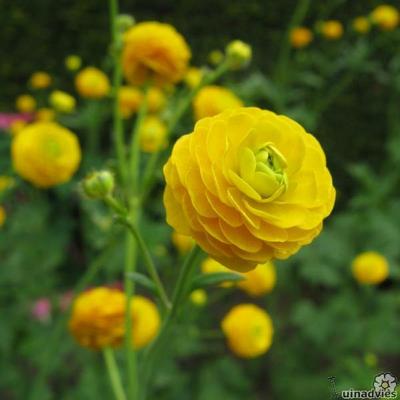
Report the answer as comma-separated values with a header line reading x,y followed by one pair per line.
x,y
99,184
124,22
238,54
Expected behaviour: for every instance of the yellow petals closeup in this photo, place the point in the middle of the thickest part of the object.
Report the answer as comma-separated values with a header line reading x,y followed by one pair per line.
x,y
46,154
370,268
40,80
62,102
92,83
332,29
386,17
249,186
301,37
212,100
154,51
25,103
248,330
153,134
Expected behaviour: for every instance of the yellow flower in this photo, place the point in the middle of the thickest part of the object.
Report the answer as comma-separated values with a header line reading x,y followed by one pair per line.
x,y
17,125
129,99
370,268
193,77
25,103
155,100
145,321
153,134
301,37
6,182
2,216
40,80
62,102
332,29
97,318
249,186
46,154
45,114
248,330
92,83
215,57
259,281
386,17
198,297
73,62
154,51
211,100
238,54
182,242
361,25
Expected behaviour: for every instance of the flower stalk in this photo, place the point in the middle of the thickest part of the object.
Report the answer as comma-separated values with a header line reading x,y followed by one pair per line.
x,y
113,373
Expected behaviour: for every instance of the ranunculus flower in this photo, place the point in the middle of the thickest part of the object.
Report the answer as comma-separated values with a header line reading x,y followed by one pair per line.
x,y
370,268
301,37
332,29
386,17
92,83
154,51
249,186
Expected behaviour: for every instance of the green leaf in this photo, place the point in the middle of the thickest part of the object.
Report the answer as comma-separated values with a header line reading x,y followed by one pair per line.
x,y
143,280
205,280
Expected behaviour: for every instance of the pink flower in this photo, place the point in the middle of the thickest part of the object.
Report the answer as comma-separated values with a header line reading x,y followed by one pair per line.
x,y
41,310
7,119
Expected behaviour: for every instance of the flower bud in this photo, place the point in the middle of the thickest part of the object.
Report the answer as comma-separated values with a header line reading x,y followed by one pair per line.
x,y
99,184
198,297
73,62
62,102
124,22
215,57
238,54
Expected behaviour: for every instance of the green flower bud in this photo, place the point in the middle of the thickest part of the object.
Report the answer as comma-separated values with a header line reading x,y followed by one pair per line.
x,y
99,184
238,54
124,22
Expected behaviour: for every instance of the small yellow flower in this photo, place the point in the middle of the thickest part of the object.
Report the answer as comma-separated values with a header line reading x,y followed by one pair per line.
x,y
40,80
73,62
193,77
62,102
370,268
259,281
215,57
249,186
25,103
210,266
46,154
183,243
17,125
301,37
238,54
97,318
2,216
332,29
212,100
129,99
361,25
154,51
153,134
386,17
198,297
45,114
145,321
92,83
248,330
6,182
155,100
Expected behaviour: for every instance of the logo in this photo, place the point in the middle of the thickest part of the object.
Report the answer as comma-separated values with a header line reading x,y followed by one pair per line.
x,y
383,387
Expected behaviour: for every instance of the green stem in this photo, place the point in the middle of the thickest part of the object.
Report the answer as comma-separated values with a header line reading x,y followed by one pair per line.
x,y
156,349
93,127
113,373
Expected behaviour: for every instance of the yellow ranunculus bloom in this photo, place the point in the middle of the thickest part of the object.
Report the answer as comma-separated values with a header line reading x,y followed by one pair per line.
x,y
25,103
153,134
193,77
6,182
46,154
182,242
45,114
40,80
198,297
129,99
248,330
386,17
156,52
249,186
332,29
17,125
2,216
97,318
212,100
155,100
73,62
301,37
62,102
145,321
92,83
260,280
361,25
370,268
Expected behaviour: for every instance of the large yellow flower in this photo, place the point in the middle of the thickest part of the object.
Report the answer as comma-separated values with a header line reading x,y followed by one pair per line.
x,y
249,330
212,100
92,83
386,17
154,51
46,154
370,268
249,186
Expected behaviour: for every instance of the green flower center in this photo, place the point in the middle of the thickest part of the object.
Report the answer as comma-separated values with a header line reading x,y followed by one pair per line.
x,y
51,147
